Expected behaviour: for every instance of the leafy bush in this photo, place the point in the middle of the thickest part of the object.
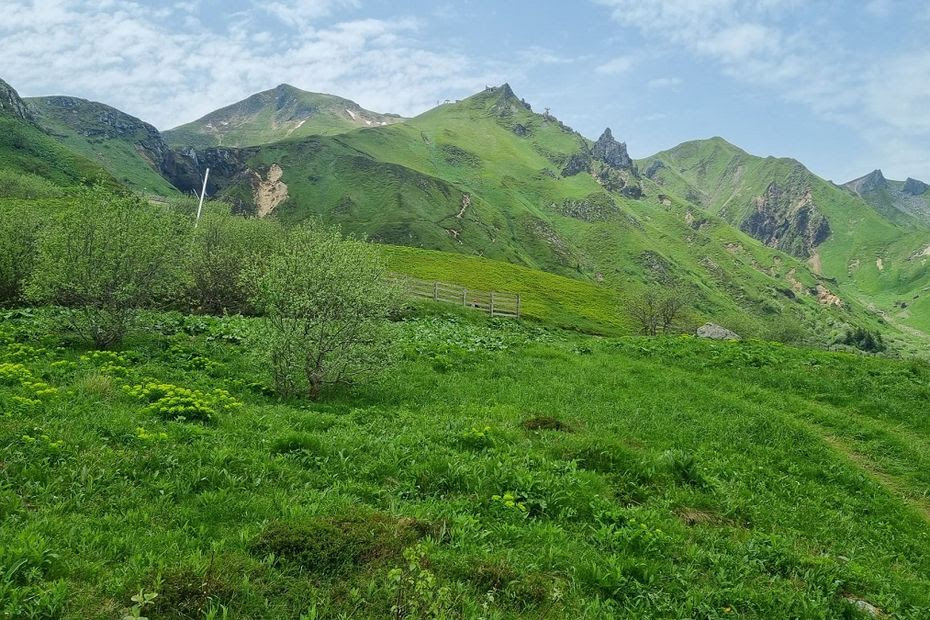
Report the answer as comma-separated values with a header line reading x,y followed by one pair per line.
x,y
19,230
864,340
223,246
324,299
105,259
14,184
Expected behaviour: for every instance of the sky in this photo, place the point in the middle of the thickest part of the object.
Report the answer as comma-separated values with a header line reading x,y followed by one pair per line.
x,y
841,85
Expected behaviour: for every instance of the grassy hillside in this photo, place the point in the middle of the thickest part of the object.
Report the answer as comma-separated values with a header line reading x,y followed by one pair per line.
x,y
125,146
273,115
552,299
484,176
872,256
498,471
32,164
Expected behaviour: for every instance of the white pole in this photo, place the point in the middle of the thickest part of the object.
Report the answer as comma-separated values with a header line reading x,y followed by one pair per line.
x,y
203,193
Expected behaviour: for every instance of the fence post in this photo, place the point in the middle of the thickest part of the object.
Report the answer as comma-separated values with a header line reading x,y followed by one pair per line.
x,y
492,303
518,305
435,291
464,297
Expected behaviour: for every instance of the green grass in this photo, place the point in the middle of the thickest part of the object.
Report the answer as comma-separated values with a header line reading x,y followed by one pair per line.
x,y
685,478
41,162
547,297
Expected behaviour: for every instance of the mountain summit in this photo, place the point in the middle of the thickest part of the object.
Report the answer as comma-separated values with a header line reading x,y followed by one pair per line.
x,y
893,198
611,152
277,114
871,182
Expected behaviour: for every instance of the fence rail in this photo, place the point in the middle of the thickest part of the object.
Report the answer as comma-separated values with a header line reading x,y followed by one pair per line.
x,y
493,302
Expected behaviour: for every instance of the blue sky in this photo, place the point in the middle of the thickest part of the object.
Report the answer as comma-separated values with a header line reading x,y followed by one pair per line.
x,y
842,85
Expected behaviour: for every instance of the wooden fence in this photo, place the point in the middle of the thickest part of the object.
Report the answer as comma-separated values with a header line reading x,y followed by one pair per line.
x,y
492,302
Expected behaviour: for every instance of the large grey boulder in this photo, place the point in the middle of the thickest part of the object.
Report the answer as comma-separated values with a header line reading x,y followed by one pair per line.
x,y
716,332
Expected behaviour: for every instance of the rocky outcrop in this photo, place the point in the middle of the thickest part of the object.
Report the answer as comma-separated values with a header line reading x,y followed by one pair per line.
x,y
871,182
611,152
609,163
577,163
185,168
906,196
98,122
595,207
712,331
11,104
913,187
653,169
785,217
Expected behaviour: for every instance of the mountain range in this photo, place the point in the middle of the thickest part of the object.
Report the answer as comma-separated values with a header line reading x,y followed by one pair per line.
x,y
757,243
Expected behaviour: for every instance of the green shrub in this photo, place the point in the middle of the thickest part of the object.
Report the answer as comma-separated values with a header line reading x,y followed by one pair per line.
x,y
105,259
324,299
24,185
223,246
19,231
864,340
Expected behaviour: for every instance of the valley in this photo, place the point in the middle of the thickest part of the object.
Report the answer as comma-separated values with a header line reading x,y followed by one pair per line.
x,y
245,416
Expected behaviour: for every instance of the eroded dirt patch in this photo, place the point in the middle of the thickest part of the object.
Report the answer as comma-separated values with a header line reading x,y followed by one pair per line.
x,y
270,191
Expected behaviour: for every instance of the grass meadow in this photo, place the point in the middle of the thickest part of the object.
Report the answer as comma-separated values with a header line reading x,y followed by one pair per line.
x,y
498,469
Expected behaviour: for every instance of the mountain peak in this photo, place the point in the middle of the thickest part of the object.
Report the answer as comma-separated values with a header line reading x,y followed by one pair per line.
x,y
914,187
871,182
282,112
611,152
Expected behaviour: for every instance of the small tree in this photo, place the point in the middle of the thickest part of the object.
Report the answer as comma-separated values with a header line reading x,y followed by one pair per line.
x,y
657,310
324,299
106,258
224,245
19,231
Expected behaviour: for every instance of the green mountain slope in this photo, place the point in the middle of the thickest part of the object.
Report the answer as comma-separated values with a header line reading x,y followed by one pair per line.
x,y
276,114
32,164
872,254
131,150
487,176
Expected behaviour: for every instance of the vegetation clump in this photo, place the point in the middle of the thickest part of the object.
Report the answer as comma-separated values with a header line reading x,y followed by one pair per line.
x,y
104,260
546,423
334,545
864,340
171,402
323,299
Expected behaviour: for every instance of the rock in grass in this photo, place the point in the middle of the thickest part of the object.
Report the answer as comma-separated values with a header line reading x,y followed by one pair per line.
x,y
716,332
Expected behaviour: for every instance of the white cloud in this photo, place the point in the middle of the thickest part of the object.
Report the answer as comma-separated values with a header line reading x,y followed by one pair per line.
x,y
665,82
165,66
616,66
882,95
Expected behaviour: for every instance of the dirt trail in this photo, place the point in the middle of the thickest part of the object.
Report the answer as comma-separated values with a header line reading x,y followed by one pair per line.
x,y
872,471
